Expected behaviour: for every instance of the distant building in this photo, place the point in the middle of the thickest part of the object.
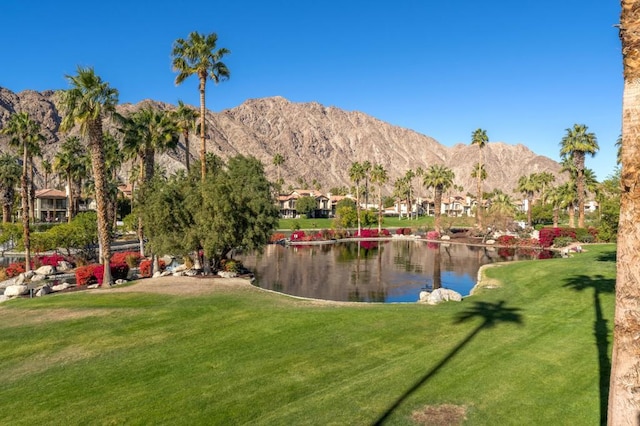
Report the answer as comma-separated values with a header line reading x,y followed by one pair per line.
x,y
51,205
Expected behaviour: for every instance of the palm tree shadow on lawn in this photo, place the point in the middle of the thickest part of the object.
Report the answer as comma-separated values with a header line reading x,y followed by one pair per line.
x,y
599,284
491,313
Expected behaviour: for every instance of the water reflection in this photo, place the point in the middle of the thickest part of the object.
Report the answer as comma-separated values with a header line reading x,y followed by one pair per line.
x,y
370,271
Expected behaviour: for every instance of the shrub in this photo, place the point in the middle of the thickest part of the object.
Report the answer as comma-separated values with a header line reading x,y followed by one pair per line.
x,y
403,231
146,266
275,237
385,232
231,265
506,240
297,235
562,241
433,235
131,258
367,233
548,235
51,260
528,242
14,269
84,275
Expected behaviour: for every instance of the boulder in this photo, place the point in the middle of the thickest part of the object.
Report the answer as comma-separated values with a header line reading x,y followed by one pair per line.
x,y
16,290
6,283
443,295
93,286
157,274
20,279
227,274
445,238
44,290
27,275
60,287
38,277
423,296
45,270
180,268
490,242
120,281
64,266
179,274
3,298
191,272
166,273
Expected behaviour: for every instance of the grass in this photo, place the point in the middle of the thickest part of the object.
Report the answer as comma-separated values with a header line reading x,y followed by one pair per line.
x,y
388,222
524,353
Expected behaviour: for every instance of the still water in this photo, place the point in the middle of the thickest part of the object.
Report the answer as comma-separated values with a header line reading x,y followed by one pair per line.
x,y
371,271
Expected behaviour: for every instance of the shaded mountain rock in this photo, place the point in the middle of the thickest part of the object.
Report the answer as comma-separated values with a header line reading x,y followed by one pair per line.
x,y
319,143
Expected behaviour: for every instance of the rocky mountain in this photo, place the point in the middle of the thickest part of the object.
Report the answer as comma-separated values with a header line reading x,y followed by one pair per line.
x,y
319,143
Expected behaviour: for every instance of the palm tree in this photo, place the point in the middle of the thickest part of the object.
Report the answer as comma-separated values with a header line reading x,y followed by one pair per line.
x,y
148,131
47,169
9,178
408,177
556,196
623,397
357,174
479,173
184,117
366,166
529,185
440,178
576,144
25,135
197,55
278,160
502,208
479,137
380,177
85,104
69,161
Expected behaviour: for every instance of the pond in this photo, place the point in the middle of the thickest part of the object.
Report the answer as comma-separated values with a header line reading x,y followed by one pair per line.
x,y
373,271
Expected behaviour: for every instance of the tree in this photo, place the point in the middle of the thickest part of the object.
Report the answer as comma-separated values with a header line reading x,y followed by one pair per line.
x,y
440,178
47,169
479,137
502,210
278,161
529,185
576,144
184,117
85,104
380,177
69,161
9,178
479,173
306,205
357,174
197,55
25,136
366,167
624,400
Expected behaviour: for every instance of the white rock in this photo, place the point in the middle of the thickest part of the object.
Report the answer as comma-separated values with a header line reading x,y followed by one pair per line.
x,y
443,295
60,287
157,274
45,270
120,281
93,286
7,283
166,273
445,238
490,242
3,298
423,296
226,274
19,279
180,268
38,277
44,290
64,266
27,275
179,274
16,290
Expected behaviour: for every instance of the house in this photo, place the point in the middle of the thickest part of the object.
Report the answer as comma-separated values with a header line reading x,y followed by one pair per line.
x,y
50,205
287,203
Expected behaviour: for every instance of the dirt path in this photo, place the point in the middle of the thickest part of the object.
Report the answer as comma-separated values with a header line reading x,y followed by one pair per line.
x,y
184,286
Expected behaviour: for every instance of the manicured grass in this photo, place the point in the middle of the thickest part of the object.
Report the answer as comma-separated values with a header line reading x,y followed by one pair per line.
x,y
389,222
524,353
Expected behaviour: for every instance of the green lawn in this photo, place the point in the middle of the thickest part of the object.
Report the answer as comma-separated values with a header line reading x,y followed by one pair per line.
x,y
389,222
533,351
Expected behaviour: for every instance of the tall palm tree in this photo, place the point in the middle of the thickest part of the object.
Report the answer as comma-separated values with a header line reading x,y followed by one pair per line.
x,y
380,177
9,178
69,161
197,55
529,185
148,131
555,197
278,161
408,177
185,118
25,136
357,174
479,173
624,400
47,169
366,166
440,178
479,137
502,208
576,144
85,104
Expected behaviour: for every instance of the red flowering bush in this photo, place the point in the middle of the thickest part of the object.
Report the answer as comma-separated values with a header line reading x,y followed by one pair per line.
x,y
84,275
367,233
146,266
94,273
51,260
433,235
385,233
403,231
297,236
14,269
528,242
548,235
131,258
506,240
275,237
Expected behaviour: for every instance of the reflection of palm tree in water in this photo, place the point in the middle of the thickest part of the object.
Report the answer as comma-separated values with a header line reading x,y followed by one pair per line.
x,y
491,313
437,273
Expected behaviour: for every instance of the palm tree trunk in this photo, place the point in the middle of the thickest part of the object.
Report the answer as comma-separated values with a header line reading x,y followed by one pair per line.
x,y
556,214
437,208
69,197
203,146
25,212
32,191
358,207
580,189
624,399
572,215
379,209
97,163
529,207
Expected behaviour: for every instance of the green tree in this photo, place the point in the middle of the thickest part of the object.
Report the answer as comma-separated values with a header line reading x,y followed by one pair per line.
x,y
278,161
46,169
502,210
70,162
9,178
440,178
185,118
24,135
306,205
379,177
85,104
356,175
197,55
480,174
576,144
479,137
529,185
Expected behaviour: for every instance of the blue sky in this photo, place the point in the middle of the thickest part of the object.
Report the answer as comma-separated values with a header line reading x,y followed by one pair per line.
x,y
524,71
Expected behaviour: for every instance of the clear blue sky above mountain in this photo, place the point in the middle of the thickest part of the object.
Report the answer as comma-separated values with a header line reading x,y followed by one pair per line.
x,y
524,71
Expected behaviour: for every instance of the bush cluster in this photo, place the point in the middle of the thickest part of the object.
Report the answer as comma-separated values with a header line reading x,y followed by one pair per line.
x,y
131,258
275,237
433,235
403,231
94,273
146,267
548,235
372,233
